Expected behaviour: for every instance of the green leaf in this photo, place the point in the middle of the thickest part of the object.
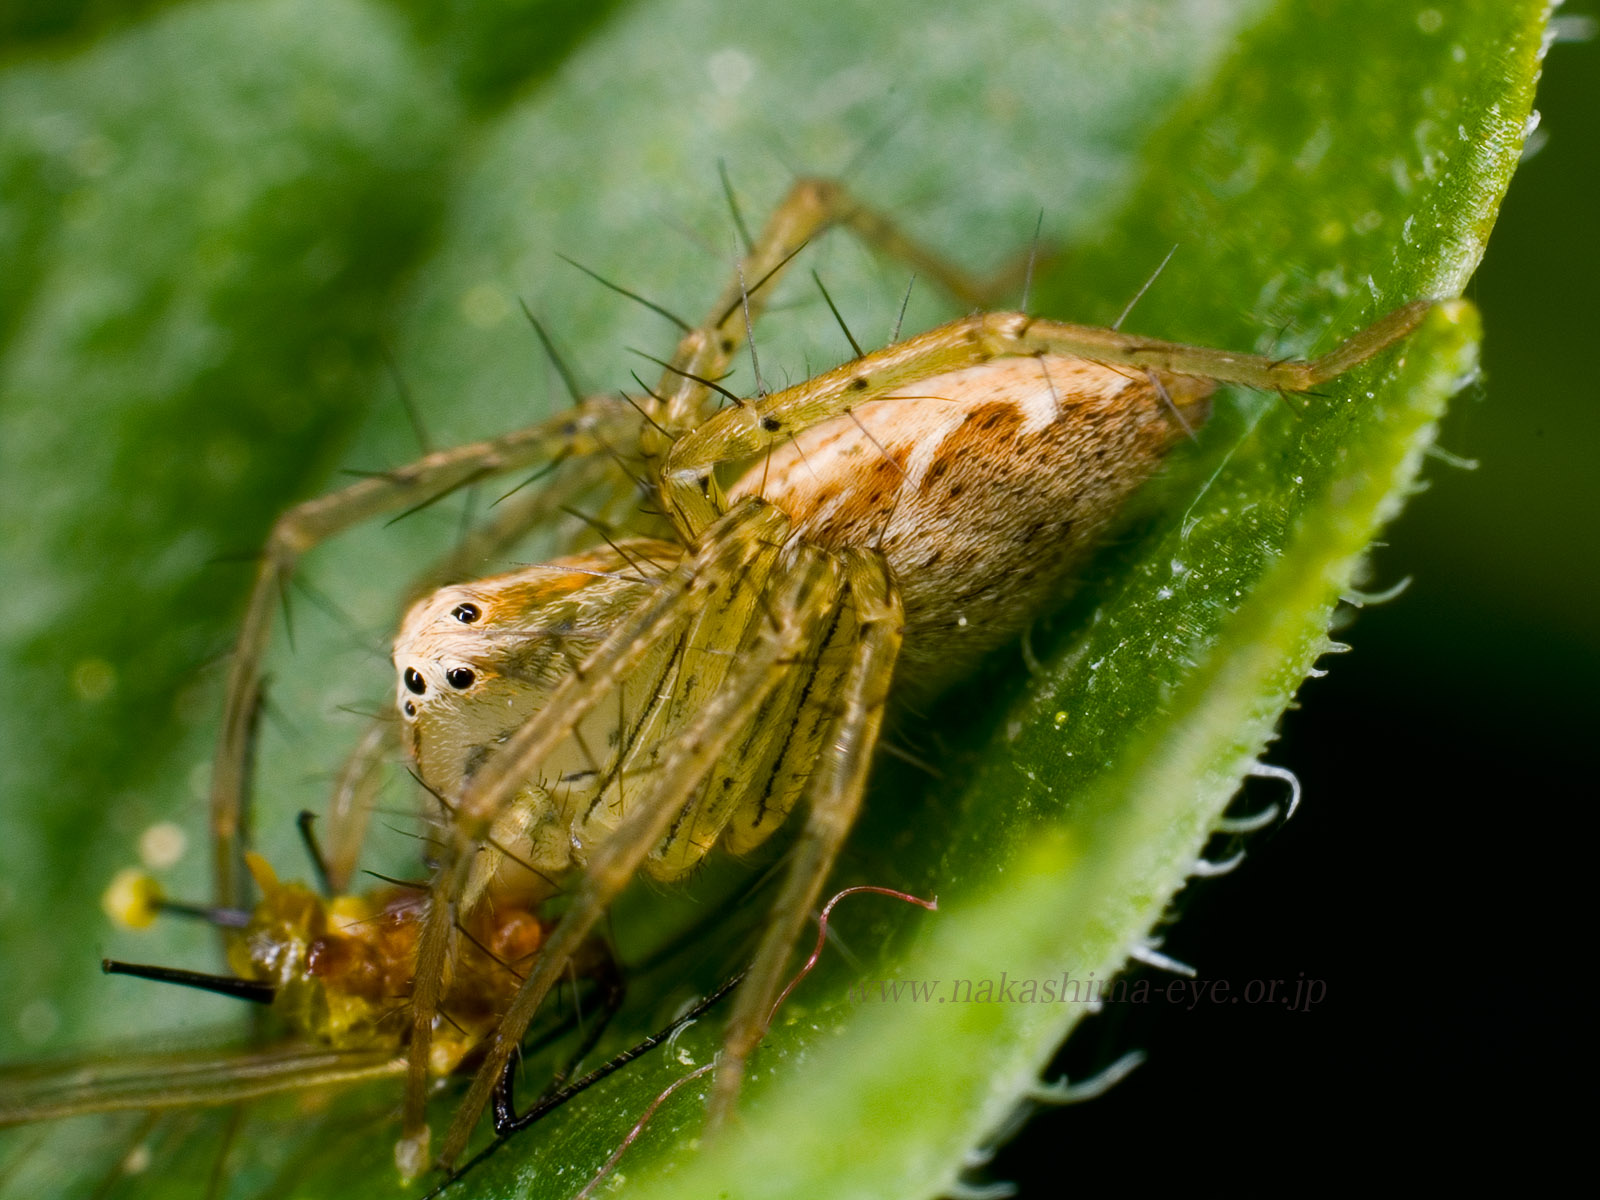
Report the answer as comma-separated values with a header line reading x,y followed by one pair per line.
x,y
220,216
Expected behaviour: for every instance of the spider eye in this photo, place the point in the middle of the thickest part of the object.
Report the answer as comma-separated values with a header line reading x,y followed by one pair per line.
x,y
411,709
460,678
466,613
414,681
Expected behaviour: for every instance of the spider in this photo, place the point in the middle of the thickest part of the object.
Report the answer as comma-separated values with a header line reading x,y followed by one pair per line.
x,y
801,558
804,554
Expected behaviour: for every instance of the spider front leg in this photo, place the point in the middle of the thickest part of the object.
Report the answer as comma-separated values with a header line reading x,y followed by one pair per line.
x,y
587,431
803,586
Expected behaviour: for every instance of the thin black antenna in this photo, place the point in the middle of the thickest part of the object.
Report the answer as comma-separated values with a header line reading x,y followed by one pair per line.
x,y
506,1120
252,990
222,918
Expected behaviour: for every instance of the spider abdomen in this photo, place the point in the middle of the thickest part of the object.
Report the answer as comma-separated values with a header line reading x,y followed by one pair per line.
x,y
983,487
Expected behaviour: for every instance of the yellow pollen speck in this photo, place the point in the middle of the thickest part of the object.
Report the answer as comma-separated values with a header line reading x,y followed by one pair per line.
x,y
1060,719
93,679
132,899
161,845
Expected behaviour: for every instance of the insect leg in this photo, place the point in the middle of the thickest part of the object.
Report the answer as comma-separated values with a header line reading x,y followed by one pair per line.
x,y
833,797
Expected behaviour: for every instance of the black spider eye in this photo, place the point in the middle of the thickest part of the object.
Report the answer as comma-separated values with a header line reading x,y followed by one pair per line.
x,y
411,709
466,613
460,678
414,681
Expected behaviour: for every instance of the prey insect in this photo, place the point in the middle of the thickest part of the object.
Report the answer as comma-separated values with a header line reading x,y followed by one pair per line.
x,y
802,557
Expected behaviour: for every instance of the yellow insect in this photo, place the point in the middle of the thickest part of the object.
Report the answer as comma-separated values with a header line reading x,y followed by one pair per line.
x,y
804,556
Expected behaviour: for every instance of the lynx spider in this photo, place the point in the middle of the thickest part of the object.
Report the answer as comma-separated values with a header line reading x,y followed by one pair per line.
x,y
628,708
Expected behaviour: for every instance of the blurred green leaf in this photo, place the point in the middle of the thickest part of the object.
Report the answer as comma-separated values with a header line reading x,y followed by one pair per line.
x,y
220,217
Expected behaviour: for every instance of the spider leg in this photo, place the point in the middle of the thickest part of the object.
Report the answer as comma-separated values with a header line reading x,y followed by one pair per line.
x,y
742,433
745,534
833,798
681,402
355,796
583,432
805,587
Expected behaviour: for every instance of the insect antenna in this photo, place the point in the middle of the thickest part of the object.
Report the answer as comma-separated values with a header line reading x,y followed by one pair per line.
x,y
222,918
837,316
622,291
508,1123
733,207
253,990
568,379
1139,295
